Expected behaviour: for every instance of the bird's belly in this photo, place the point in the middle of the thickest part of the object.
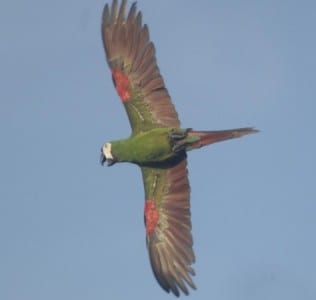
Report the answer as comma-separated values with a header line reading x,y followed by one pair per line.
x,y
151,148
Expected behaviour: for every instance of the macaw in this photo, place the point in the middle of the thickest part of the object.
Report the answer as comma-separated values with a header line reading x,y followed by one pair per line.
x,y
157,144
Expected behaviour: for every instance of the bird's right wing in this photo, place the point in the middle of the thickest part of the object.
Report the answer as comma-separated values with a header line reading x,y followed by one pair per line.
x,y
168,226
132,60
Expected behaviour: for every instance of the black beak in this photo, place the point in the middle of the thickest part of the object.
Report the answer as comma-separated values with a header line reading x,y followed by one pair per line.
x,y
102,158
110,162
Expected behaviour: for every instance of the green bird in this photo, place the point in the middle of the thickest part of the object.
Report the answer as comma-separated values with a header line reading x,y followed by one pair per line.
x,y
157,144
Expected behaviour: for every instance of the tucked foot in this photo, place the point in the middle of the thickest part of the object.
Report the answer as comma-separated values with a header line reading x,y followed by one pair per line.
x,y
177,134
177,138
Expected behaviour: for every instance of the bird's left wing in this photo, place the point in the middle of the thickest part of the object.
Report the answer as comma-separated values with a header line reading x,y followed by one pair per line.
x,y
131,58
168,226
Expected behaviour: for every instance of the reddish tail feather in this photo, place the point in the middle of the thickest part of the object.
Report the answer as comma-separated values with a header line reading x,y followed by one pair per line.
x,y
209,137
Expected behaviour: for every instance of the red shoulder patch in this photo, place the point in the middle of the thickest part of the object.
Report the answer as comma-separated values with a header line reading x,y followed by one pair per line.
x,y
122,84
151,216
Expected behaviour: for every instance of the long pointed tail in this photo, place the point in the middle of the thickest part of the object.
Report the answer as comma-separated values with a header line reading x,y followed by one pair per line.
x,y
203,138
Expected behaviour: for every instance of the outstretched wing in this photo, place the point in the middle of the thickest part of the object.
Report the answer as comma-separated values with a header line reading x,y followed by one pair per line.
x,y
131,57
168,226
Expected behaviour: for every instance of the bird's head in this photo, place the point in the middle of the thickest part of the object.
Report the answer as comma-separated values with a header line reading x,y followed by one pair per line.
x,y
106,154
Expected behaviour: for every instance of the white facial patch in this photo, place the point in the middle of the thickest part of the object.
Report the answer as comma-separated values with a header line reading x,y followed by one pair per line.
x,y
106,149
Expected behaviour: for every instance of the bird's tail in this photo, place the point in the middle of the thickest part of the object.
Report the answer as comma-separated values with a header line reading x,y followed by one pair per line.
x,y
198,139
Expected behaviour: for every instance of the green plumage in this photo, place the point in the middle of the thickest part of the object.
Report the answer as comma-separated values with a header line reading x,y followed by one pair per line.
x,y
157,144
151,147
162,147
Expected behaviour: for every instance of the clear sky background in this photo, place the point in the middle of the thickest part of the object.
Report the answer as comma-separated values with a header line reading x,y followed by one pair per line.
x,y
71,229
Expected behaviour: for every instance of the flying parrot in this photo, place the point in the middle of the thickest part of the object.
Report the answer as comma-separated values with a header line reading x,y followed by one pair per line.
x,y
157,144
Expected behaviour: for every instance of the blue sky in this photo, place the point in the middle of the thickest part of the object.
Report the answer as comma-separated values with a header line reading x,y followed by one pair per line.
x,y
71,229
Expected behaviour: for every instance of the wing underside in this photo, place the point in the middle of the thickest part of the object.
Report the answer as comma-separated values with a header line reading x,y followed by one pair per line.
x,y
168,226
132,60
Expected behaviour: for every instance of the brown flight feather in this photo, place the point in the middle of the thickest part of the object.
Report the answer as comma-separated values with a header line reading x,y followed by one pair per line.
x,y
128,48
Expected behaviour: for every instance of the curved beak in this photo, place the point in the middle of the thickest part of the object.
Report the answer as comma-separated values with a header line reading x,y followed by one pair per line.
x,y
102,158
